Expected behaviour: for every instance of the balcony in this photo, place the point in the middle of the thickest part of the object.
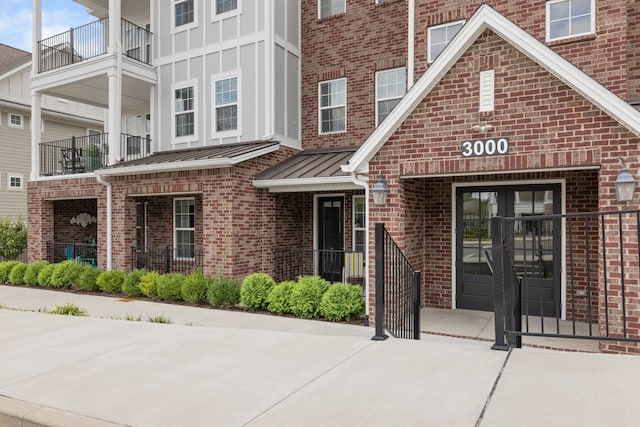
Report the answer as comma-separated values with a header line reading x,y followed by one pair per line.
x,y
83,154
90,41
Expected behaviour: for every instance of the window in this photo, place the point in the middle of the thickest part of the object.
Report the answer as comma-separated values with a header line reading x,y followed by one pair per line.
x,y
184,112
390,88
14,182
15,121
184,12
184,227
569,18
359,226
440,36
333,106
331,7
487,86
223,6
226,111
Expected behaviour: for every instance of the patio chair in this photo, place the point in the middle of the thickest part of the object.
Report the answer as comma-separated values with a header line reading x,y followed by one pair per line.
x,y
354,268
72,160
68,252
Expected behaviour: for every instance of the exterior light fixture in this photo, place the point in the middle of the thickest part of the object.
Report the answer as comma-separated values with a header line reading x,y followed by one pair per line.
x,y
380,191
486,128
625,185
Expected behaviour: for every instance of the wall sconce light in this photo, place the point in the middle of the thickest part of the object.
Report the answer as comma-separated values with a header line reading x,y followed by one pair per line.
x,y
483,128
380,191
83,219
625,185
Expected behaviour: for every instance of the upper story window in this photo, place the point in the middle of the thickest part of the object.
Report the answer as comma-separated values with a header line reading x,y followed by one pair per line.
x,y
390,88
331,7
570,18
333,106
15,121
184,12
440,36
223,6
226,105
184,112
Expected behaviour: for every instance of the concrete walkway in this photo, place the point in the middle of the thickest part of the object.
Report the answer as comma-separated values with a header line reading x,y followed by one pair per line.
x,y
212,367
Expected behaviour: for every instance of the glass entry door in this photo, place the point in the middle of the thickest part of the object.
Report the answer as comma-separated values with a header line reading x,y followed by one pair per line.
x,y
536,244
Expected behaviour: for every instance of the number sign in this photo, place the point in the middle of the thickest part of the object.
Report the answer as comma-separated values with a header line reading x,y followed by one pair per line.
x,y
485,147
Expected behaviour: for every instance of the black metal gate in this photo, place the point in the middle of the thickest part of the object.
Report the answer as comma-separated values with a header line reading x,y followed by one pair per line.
x,y
397,290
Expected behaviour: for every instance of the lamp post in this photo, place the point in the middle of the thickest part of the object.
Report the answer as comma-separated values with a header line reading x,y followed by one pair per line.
x,y
625,185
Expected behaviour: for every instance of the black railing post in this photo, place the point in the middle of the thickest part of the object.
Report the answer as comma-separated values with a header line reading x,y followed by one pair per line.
x,y
512,288
379,267
167,259
498,282
417,288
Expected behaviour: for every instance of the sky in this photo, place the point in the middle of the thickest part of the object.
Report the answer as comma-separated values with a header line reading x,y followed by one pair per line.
x,y
57,17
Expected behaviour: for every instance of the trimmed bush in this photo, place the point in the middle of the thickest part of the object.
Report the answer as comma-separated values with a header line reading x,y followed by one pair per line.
x,y
306,296
72,274
44,276
31,275
279,298
149,284
169,286
224,291
255,290
194,287
87,279
110,281
5,270
131,280
16,276
341,302
64,273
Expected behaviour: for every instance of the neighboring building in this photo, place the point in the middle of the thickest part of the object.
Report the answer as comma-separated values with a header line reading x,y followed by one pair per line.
x,y
470,110
61,119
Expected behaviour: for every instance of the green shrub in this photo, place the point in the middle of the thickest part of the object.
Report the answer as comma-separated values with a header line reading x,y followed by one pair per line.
x,y
13,238
72,274
341,302
31,275
110,281
170,286
16,276
87,279
59,277
194,287
131,280
69,309
255,290
5,270
306,296
279,298
223,291
149,284
44,276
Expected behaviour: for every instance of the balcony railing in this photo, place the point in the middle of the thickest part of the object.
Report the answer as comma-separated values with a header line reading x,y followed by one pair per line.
x,y
91,40
85,253
332,265
134,147
77,154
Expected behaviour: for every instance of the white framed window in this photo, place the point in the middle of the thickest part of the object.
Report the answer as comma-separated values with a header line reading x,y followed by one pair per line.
x,y
439,37
390,88
221,9
359,224
333,106
184,227
16,121
14,181
487,89
331,7
184,112
570,18
226,111
184,14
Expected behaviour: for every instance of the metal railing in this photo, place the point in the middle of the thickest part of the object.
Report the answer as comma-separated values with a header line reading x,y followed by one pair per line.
x,y
134,147
81,252
91,40
397,290
332,265
601,275
77,154
165,259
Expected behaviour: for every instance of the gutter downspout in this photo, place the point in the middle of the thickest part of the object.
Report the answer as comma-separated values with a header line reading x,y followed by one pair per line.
x,y
107,184
365,185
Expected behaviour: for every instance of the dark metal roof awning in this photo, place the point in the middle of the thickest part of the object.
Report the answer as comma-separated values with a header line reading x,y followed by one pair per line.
x,y
310,170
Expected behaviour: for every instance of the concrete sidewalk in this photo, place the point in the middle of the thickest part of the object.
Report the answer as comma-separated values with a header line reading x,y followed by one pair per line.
x,y
234,369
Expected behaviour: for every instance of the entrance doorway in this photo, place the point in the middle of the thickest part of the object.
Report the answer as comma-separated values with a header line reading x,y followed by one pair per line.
x,y
330,253
536,244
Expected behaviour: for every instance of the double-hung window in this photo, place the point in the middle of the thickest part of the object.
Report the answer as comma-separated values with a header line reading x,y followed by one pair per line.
x,y
331,7
226,105
224,6
439,37
184,12
390,88
570,18
184,112
333,106
184,228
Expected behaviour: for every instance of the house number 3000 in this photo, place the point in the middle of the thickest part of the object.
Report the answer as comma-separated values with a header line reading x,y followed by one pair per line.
x,y
485,147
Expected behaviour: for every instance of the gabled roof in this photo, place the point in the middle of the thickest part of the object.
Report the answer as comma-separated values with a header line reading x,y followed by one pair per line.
x,y
218,156
487,18
309,170
10,58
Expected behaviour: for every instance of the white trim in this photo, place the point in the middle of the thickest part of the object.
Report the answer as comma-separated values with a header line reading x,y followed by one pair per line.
x,y
183,85
487,18
237,74
320,108
389,98
570,36
187,26
176,229
224,15
438,27
19,176
353,221
307,184
12,125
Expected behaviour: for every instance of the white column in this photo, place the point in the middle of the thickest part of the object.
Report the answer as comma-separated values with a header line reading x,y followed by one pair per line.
x,y
36,34
36,135
113,115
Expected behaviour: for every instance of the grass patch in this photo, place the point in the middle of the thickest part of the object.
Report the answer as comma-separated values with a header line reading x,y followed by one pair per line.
x,y
69,309
159,319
